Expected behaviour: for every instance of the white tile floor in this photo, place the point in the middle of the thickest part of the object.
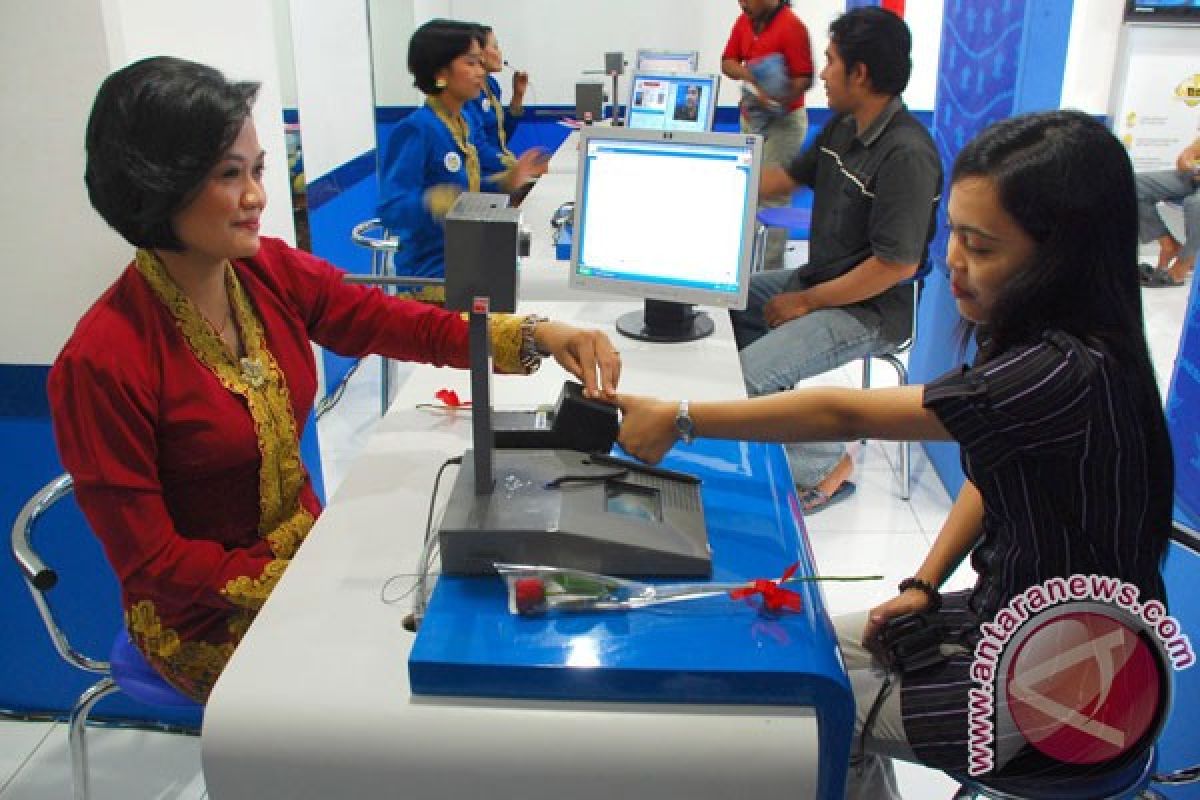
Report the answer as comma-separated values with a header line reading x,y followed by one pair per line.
x,y
872,531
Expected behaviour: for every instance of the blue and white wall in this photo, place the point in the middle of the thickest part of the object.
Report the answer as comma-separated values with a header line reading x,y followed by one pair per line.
x,y
59,256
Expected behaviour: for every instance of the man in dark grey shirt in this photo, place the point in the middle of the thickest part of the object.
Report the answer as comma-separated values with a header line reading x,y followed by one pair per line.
x,y
876,180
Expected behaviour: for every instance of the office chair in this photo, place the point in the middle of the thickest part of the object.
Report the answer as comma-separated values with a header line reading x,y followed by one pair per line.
x,y
125,671
372,235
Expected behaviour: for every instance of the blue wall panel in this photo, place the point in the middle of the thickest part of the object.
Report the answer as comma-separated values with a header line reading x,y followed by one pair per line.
x,y
997,60
1183,416
330,224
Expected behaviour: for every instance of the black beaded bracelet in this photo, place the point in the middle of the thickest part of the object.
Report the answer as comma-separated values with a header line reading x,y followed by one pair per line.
x,y
935,597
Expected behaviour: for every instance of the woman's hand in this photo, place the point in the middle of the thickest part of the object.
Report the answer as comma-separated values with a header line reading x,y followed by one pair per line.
x,y
647,427
520,82
909,601
532,163
582,353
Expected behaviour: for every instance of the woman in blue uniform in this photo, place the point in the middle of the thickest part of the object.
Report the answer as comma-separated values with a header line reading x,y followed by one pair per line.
x,y
498,124
435,153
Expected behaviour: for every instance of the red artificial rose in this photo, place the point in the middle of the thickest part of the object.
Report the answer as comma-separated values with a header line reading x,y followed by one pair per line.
x,y
531,595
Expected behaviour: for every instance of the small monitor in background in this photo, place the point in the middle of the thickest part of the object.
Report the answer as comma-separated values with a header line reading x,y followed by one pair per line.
x,y
669,217
667,61
682,101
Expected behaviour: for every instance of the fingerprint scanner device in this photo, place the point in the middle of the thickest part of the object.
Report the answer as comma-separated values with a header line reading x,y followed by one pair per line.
x,y
574,423
550,507
670,217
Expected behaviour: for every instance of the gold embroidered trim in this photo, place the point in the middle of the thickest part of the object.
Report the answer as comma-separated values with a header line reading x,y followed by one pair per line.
x,y
461,134
191,667
433,295
506,155
281,473
251,593
506,333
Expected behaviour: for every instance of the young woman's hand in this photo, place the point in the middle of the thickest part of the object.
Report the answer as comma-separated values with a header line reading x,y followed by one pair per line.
x,y
909,601
647,427
520,82
586,354
532,163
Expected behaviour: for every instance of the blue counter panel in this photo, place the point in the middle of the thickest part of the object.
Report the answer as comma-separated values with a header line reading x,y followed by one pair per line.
x,y
711,651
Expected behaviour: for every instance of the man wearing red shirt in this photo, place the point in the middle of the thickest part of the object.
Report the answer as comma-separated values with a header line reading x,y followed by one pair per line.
x,y
769,28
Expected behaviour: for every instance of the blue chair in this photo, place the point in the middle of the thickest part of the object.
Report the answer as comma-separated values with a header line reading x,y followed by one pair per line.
x,y
798,221
125,671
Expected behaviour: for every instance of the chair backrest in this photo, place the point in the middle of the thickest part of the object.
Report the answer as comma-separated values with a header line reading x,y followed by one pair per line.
x,y
40,578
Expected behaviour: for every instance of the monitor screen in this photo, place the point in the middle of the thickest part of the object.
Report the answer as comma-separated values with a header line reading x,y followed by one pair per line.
x,y
681,101
666,216
667,61
1162,10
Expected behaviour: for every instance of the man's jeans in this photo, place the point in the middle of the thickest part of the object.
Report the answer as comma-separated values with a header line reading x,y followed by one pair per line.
x,y
775,359
1174,187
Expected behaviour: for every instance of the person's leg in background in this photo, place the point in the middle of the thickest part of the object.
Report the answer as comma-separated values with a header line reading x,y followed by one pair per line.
x,y
776,360
783,140
1185,261
749,325
1172,187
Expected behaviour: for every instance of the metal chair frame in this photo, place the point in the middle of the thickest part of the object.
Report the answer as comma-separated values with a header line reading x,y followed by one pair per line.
x,y
40,579
892,357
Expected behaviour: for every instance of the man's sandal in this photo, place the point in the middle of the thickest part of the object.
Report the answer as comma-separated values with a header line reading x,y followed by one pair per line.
x,y
814,500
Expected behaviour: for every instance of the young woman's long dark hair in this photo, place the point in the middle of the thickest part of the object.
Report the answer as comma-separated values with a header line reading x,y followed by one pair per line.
x,y
1068,182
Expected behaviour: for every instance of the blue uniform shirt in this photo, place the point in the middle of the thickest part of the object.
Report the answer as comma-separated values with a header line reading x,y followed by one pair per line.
x,y
484,111
421,153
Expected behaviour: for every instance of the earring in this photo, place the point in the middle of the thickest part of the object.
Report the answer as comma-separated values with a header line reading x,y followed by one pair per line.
x,y
440,83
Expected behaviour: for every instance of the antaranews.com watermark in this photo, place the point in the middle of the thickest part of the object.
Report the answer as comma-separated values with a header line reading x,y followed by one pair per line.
x,y
997,635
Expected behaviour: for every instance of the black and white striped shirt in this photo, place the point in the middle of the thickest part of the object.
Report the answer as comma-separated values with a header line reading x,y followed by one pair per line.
x,y
1053,437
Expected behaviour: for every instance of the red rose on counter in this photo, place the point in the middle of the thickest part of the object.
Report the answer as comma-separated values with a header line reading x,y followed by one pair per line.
x,y
530,595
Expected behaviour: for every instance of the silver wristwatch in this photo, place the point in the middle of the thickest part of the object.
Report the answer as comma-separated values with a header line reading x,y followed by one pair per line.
x,y
684,427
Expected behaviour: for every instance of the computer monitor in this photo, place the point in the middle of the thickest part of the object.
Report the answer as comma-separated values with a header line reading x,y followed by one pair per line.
x,y
669,217
667,60
673,101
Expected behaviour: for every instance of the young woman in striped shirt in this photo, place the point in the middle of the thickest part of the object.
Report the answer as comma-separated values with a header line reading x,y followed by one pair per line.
x,y
1059,418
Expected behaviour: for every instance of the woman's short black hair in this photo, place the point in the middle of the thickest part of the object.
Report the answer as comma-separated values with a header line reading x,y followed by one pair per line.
x,y
879,40
156,129
434,46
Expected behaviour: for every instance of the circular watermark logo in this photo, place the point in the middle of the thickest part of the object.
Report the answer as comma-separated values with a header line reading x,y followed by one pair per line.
x,y
1083,687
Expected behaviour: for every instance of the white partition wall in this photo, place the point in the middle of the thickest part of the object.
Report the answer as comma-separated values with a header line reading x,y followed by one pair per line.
x,y
333,82
48,285
556,41
57,253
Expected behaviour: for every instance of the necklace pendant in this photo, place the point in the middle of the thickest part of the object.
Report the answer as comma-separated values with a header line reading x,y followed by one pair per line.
x,y
253,372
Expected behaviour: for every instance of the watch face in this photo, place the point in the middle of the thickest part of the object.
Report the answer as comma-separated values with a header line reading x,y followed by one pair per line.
x,y
684,426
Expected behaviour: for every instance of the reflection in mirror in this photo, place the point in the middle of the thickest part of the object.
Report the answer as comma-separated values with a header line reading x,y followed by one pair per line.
x,y
291,122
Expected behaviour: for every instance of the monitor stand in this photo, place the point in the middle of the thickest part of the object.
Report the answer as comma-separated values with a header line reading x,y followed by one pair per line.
x,y
664,321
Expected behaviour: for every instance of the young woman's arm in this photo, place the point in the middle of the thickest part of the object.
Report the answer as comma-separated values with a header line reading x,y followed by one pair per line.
x,y
812,415
957,537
